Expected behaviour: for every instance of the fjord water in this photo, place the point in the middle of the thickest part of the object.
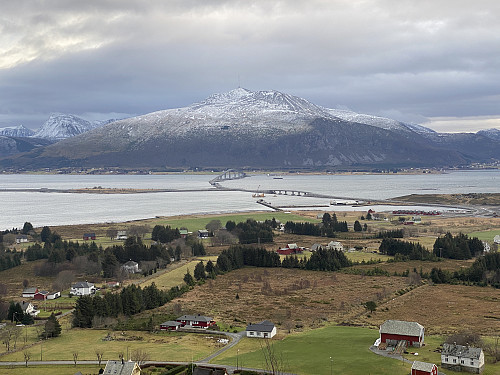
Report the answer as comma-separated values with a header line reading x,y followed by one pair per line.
x,y
41,208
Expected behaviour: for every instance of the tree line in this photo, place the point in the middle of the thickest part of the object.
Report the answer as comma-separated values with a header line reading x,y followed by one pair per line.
x,y
457,247
405,250
130,301
484,271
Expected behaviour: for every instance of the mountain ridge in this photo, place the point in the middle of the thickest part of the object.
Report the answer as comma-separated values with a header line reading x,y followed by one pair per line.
x,y
242,128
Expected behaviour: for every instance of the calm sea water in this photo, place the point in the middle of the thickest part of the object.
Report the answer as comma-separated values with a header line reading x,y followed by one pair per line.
x,y
63,208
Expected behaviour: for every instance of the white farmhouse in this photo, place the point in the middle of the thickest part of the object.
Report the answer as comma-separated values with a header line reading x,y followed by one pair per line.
x,y
82,288
496,239
264,329
462,358
28,308
131,267
335,245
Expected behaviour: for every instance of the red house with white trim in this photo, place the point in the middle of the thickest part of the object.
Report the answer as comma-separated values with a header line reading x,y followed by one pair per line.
x,y
393,331
423,368
196,321
290,249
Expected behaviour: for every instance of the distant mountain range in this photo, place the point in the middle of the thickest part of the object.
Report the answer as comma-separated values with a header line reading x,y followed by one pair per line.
x,y
263,129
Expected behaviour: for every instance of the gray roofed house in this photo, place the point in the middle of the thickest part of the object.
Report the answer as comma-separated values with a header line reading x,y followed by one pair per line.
x,y
462,358
29,292
82,288
196,321
122,368
264,329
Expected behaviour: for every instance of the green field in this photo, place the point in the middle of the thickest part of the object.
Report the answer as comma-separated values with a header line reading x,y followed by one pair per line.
x,y
310,352
486,235
199,222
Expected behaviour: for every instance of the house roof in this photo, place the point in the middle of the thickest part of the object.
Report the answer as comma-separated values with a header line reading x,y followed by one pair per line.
x,y
130,263
89,234
44,292
24,305
461,351
208,371
82,284
30,290
264,326
120,367
171,323
422,366
198,318
183,231
400,327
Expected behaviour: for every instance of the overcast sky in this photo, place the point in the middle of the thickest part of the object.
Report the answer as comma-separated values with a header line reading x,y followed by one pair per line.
x,y
433,62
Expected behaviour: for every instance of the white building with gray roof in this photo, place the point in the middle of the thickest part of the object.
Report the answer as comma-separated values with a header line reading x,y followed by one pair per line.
x,y
462,358
264,329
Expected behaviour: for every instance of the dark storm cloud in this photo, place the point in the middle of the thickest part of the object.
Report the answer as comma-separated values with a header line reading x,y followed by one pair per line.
x,y
412,60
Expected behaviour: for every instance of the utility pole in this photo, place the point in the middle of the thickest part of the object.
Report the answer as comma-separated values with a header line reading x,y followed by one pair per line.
x,y
331,366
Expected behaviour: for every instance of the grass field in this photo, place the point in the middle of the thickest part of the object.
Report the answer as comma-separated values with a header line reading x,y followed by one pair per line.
x,y
160,346
52,370
486,235
174,277
310,352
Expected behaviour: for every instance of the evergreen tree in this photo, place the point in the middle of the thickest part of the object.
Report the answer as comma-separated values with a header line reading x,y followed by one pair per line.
x,y
109,265
357,226
27,228
52,327
188,279
199,272
45,234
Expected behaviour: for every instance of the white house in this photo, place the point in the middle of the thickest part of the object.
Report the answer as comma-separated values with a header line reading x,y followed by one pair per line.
x,y
122,367
462,358
22,238
30,292
335,245
496,239
131,267
82,288
53,295
28,308
121,235
264,329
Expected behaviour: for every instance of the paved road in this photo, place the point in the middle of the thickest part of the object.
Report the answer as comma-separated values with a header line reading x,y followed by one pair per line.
x,y
399,357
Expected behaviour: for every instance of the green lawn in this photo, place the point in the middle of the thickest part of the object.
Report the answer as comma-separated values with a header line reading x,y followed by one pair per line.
x,y
172,278
195,223
486,235
310,352
360,256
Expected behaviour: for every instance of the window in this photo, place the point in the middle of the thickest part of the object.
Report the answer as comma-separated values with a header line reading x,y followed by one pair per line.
x,y
446,359
472,362
454,360
462,361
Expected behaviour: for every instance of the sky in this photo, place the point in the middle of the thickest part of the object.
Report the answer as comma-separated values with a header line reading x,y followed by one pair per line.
x,y
435,63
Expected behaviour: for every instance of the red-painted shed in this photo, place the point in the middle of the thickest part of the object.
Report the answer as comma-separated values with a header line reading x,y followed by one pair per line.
x,y
423,368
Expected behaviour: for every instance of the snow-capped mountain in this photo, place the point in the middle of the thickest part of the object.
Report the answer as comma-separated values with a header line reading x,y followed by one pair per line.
x,y
490,133
62,126
16,131
260,129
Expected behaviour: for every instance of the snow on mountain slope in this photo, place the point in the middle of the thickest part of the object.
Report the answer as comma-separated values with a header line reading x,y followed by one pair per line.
x,y
16,131
490,133
61,126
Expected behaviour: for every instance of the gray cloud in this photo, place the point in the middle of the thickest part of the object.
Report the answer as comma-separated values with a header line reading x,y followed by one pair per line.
x,y
414,60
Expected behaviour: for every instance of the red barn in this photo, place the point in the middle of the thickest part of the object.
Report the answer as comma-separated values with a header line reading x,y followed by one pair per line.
x,y
290,249
41,295
393,331
423,368
89,236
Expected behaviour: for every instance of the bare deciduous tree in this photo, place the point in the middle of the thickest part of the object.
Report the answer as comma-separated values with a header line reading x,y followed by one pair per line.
x,y
140,356
75,357
273,361
494,350
27,357
99,354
